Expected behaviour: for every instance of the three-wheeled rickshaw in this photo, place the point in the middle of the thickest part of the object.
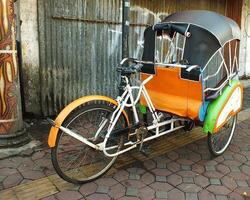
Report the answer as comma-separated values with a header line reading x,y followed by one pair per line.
x,y
188,76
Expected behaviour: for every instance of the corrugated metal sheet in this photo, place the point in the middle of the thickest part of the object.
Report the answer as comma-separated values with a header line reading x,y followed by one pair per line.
x,y
80,43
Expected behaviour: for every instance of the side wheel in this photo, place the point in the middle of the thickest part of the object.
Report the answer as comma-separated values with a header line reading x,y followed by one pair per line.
x,y
218,142
77,162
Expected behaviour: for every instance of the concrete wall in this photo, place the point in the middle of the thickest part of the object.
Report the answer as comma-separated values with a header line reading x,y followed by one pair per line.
x,y
30,55
245,41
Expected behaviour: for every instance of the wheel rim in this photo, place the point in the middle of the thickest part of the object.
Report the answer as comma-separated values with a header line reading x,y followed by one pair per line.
x,y
221,140
75,159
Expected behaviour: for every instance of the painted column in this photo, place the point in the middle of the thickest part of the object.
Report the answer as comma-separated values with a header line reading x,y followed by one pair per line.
x,y
11,124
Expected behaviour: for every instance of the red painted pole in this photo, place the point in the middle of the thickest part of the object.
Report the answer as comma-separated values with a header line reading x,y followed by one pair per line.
x,y
11,123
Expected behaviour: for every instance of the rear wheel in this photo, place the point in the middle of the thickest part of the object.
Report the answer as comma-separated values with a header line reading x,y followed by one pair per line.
x,y
77,162
218,142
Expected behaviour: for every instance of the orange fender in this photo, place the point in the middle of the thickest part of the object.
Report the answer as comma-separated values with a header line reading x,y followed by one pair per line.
x,y
69,108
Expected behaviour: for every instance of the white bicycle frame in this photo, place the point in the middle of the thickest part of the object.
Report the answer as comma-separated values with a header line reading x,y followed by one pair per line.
x,y
122,101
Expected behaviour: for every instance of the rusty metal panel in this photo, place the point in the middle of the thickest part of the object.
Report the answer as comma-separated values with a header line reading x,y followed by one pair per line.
x,y
80,43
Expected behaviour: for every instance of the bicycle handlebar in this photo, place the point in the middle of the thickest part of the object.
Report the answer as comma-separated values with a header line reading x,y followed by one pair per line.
x,y
138,64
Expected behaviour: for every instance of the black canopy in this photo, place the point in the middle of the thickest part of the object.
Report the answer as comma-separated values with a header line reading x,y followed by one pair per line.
x,y
223,28
209,32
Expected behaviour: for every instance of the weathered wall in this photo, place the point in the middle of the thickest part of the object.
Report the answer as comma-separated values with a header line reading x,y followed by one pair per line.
x,y
245,41
80,43
30,55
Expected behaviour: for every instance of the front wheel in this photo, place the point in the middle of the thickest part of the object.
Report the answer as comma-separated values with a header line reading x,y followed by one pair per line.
x,y
77,162
218,142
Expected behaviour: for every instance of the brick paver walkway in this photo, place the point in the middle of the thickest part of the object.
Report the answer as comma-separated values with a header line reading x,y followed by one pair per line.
x,y
188,172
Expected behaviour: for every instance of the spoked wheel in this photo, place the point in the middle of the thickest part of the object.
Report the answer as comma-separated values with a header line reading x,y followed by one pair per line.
x,y
219,142
77,162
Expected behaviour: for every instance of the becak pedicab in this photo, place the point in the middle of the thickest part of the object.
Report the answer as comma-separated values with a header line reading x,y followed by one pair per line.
x,y
188,76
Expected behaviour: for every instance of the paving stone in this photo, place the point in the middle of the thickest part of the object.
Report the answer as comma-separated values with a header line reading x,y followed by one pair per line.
x,y
134,176
88,188
240,158
221,197
149,164
12,180
248,157
2,178
146,193
222,169
238,176
242,183
161,195
217,189
148,178
98,197
67,194
173,166
210,168
128,198
121,175
245,169
191,196
199,169
161,165
214,181
188,180
195,157
161,178
173,155
244,148
234,168
13,162
7,171
174,179
242,190
52,197
132,191
27,152
232,163
228,157
235,196
161,172
201,181
38,155
44,162
213,174
26,165
33,175
133,183
117,191
102,189
106,181
186,174
229,182
189,187
186,167
159,186
176,194
136,170
206,195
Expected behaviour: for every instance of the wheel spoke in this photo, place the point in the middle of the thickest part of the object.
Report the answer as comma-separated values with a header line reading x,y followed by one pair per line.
x,y
75,161
219,142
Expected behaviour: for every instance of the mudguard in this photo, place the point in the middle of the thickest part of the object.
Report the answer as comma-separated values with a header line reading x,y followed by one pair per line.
x,y
228,104
69,108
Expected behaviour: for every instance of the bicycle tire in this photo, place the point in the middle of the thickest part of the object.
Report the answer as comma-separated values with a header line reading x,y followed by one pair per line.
x,y
216,139
59,157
